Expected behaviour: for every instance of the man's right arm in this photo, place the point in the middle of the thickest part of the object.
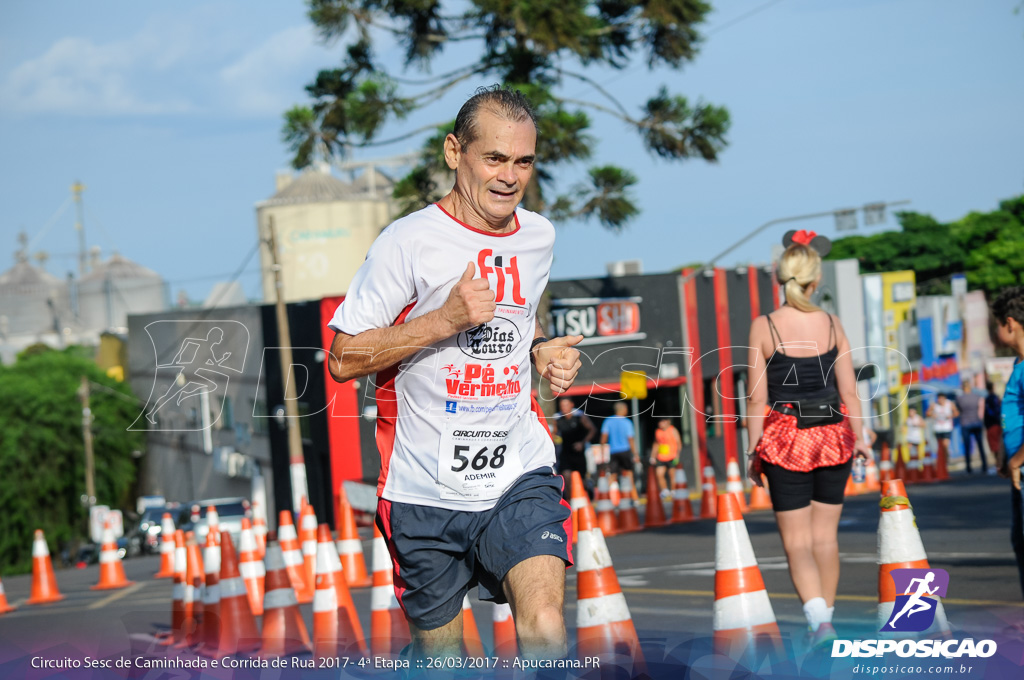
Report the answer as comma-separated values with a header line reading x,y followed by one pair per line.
x,y
470,303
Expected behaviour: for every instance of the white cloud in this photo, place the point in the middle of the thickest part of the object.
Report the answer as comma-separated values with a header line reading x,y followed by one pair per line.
x,y
269,78
172,65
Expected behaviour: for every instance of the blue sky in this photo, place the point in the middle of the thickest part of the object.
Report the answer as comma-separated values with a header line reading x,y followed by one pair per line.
x,y
170,114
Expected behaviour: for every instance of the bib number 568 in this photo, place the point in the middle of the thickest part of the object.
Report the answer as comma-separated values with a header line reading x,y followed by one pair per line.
x,y
482,459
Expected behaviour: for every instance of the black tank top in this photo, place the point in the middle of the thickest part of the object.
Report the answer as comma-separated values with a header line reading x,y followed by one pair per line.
x,y
794,378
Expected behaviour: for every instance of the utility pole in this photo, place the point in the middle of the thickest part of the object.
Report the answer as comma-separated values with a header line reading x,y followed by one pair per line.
x,y
296,461
76,190
90,467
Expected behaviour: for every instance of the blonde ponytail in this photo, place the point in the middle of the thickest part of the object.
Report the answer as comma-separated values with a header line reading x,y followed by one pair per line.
x,y
799,267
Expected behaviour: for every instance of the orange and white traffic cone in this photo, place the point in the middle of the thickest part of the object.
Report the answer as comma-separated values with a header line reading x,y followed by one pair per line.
x,y
307,542
348,619
604,627
614,494
743,614
471,644
177,632
259,531
212,522
350,548
708,493
913,469
682,509
603,505
44,581
734,483
293,560
4,606
111,570
505,645
899,468
193,600
885,471
210,626
928,468
629,519
284,631
577,499
655,515
389,629
760,499
326,643
238,632
900,547
166,547
251,567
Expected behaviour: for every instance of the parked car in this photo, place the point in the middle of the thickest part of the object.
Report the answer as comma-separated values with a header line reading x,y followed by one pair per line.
x,y
230,512
149,526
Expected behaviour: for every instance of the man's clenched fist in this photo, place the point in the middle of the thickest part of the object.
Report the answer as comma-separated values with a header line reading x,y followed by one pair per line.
x,y
470,303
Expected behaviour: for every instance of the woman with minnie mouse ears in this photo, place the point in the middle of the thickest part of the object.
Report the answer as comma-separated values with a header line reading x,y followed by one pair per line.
x,y
806,438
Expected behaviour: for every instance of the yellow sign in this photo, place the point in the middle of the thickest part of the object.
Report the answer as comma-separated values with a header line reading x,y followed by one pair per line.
x,y
633,385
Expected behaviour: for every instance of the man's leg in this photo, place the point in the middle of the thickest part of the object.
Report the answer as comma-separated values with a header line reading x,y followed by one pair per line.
x,y
535,589
445,641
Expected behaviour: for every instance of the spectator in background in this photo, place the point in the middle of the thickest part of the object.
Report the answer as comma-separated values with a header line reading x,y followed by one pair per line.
x,y
618,433
942,413
971,405
575,430
993,426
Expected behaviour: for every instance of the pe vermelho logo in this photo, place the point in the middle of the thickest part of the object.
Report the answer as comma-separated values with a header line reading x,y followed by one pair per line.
x,y
914,610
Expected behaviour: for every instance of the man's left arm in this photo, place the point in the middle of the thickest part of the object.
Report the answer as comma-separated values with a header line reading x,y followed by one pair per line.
x,y
557,360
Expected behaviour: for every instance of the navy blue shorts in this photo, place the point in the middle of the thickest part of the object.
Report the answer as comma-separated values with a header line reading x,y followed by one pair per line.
x,y
439,554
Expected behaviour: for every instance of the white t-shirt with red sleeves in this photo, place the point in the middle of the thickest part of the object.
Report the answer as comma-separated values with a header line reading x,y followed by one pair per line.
x,y
454,422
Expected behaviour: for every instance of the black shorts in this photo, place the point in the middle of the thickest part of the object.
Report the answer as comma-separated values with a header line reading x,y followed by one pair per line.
x,y
943,435
620,462
439,554
791,490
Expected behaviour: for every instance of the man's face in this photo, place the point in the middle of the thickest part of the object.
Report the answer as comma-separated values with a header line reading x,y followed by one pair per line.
x,y
493,170
565,406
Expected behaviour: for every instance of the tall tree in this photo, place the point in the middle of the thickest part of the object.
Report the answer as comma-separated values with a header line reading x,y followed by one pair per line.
x,y
537,46
42,459
987,247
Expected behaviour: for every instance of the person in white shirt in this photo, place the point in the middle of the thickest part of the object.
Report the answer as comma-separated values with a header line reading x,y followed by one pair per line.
x,y
942,413
444,311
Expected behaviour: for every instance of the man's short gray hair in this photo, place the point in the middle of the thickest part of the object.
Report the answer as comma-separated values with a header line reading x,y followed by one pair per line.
x,y
503,101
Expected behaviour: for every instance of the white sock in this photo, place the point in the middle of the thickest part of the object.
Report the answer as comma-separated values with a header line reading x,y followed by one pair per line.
x,y
831,611
816,612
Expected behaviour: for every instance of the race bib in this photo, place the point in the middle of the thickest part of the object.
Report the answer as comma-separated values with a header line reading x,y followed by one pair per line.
x,y
476,463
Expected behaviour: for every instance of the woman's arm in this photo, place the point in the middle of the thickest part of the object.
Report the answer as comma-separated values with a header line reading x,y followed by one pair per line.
x,y
758,398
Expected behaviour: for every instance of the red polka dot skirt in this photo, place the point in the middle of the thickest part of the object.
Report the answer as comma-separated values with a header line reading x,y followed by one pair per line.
x,y
804,450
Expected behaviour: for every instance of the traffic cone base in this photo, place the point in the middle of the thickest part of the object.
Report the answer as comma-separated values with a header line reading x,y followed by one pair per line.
x,y
4,606
655,515
284,631
708,493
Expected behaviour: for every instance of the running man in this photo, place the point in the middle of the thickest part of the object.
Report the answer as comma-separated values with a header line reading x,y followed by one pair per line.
x,y
444,310
915,604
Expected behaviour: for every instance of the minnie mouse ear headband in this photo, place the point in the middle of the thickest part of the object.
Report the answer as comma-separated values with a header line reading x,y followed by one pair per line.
x,y
821,244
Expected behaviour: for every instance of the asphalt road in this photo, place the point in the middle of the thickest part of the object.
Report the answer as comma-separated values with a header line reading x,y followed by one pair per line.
x,y
667,576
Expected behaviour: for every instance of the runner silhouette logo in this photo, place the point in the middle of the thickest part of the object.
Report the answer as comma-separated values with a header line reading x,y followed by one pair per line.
x,y
917,596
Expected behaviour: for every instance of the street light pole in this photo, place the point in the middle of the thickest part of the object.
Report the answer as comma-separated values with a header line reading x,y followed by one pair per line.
x,y
772,223
296,460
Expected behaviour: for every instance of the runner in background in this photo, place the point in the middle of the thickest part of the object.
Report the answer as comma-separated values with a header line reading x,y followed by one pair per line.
x,y
665,453
575,430
942,413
